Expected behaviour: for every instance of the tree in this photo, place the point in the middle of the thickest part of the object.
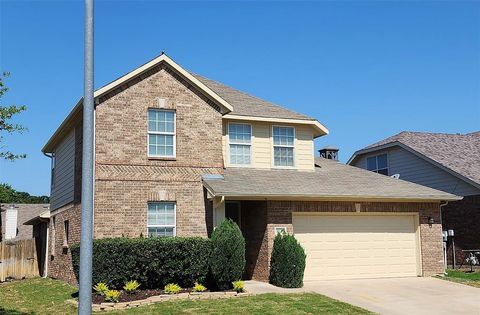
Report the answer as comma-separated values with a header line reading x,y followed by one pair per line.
x,y
10,195
6,114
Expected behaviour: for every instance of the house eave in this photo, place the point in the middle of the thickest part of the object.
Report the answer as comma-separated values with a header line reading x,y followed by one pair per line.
x,y
301,197
320,130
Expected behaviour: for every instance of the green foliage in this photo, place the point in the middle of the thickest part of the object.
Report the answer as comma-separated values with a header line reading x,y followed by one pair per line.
x,y
197,287
131,286
453,273
112,296
287,264
10,195
227,261
172,288
238,286
6,114
153,261
101,288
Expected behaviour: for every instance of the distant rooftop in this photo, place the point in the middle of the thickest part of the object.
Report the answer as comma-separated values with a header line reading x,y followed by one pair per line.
x,y
457,152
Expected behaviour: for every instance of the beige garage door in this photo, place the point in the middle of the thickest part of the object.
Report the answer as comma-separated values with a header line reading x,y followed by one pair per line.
x,y
357,246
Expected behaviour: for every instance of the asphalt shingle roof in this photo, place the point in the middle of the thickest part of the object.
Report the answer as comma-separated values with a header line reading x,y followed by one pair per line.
x,y
248,105
457,152
329,180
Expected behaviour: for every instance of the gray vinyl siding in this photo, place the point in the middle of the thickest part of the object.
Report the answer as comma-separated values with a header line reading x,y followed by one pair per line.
x,y
417,170
62,187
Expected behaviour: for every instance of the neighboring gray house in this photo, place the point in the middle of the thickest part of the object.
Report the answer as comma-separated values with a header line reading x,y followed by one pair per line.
x,y
448,162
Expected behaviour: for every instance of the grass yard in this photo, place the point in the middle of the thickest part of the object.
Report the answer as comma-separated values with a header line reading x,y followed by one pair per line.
x,y
36,296
468,278
46,296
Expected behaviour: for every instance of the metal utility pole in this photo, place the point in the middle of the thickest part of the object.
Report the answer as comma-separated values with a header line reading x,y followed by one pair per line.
x,y
86,234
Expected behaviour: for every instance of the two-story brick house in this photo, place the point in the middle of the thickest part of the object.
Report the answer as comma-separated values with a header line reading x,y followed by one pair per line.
x,y
176,153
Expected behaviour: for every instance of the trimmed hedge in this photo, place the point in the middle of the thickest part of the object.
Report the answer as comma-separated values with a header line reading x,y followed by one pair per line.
x,y
227,260
287,264
153,262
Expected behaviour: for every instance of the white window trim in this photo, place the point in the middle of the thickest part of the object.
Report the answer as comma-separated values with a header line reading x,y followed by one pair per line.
x,y
376,164
283,146
165,225
229,143
174,134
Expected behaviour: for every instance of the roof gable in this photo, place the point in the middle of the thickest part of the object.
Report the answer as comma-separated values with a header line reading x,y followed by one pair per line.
x,y
177,68
229,100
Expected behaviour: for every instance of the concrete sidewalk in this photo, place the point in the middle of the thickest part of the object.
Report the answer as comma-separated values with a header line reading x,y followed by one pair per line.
x,y
391,296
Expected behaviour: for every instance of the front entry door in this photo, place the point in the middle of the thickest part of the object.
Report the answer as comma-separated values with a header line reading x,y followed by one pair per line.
x,y
232,211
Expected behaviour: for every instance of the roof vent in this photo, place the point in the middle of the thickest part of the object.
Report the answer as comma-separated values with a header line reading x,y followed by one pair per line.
x,y
329,153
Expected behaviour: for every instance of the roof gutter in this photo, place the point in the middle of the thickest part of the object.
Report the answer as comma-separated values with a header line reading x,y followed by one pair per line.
x,y
326,198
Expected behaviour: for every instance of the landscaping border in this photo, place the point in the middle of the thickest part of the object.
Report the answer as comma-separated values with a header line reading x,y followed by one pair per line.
x,y
108,306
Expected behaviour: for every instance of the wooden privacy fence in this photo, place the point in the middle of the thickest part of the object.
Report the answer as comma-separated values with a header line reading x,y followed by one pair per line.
x,y
18,259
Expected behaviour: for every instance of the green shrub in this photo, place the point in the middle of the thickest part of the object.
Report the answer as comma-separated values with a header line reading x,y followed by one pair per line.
x,y
112,296
287,264
238,286
172,288
100,288
197,287
131,286
227,261
153,261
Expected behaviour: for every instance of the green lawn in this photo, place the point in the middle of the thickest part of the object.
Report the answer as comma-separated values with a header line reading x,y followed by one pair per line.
x,y
46,296
36,296
468,278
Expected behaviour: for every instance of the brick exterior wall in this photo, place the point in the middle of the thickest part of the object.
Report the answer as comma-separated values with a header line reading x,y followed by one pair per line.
x,y
279,214
126,179
254,229
463,217
59,258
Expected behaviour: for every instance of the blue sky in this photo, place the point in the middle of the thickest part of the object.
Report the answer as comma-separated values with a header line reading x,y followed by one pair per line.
x,y
366,70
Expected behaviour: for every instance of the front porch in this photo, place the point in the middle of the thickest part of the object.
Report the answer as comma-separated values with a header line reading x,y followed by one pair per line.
x,y
259,227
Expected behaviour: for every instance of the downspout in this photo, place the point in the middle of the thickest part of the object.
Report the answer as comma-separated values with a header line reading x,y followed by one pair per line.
x,y
444,244
47,240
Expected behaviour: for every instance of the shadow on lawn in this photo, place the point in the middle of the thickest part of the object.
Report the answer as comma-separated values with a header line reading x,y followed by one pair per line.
x,y
4,311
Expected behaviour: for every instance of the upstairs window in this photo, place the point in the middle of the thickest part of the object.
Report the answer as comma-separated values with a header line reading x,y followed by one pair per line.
x,y
161,133
161,219
240,142
283,146
378,164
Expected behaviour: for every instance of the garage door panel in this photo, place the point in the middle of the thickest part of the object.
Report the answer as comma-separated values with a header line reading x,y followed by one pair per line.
x,y
357,246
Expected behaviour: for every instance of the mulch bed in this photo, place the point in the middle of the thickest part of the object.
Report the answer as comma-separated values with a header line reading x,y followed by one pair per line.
x,y
135,296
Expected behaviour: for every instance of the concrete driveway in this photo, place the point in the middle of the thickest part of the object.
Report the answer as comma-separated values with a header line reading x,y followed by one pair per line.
x,y
392,296
403,295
